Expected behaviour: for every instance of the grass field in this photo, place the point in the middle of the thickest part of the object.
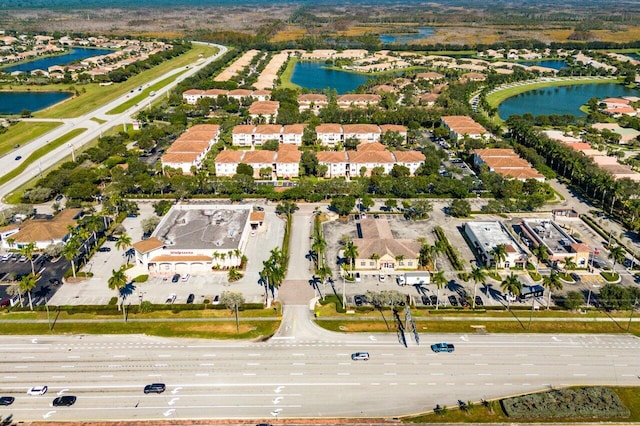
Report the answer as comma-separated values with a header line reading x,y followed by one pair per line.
x,y
39,153
21,133
91,96
288,34
144,94
498,97
285,77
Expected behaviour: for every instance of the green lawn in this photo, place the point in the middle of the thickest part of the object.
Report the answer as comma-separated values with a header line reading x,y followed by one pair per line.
x,y
144,94
91,96
39,153
23,132
285,77
498,97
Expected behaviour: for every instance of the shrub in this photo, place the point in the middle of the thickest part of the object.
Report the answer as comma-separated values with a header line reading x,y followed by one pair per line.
x,y
141,278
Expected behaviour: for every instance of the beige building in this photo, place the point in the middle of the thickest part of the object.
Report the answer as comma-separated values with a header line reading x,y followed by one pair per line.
x,y
379,251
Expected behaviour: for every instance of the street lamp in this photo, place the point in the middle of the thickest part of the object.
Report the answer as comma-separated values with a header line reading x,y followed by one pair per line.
x,y
589,297
73,152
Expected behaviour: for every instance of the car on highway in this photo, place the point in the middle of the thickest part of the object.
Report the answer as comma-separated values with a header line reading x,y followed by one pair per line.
x,y
171,298
6,400
37,390
191,298
19,157
64,401
360,356
155,388
175,278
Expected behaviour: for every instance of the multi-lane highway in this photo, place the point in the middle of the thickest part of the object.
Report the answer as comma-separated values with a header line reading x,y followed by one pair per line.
x,y
296,377
94,128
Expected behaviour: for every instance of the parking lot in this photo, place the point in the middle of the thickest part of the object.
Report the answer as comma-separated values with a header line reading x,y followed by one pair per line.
x,y
13,268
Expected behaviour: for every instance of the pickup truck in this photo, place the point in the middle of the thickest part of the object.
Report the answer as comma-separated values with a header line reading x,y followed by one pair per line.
x,y
442,347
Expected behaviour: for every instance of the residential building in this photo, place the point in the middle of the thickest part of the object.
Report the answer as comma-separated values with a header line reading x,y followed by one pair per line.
x,y
227,161
312,101
259,160
361,132
292,134
362,162
329,134
506,163
336,161
267,110
486,236
287,164
267,132
242,135
410,159
460,126
191,148
357,100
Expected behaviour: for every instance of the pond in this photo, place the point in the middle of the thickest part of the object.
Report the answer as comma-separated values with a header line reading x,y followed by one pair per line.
x,y
635,56
16,102
561,99
314,75
76,54
407,38
555,64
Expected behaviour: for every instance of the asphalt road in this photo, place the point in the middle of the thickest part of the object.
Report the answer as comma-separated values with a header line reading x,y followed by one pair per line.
x,y
296,377
94,129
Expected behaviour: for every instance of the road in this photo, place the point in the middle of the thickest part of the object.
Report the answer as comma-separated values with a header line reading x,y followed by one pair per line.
x,y
296,378
94,129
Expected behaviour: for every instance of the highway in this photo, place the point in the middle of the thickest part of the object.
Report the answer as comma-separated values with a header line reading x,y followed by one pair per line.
x,y
291,376
94,129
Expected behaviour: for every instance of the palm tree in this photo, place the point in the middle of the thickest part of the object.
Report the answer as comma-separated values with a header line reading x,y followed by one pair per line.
x,y
69,252
27,251
118,281
511,285
616,253
478,275
541,254
351,252
551,283
499,254
318,246
223,257
93,224
375,257
324,272
439,280
28,283
427,255
124,242
237,253
399,258
570,264
234,275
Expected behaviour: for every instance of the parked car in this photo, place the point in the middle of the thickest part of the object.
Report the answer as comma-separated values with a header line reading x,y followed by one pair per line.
x,y
64,401
191,298
59,197
575,277
479,301
434,299
185,277
358,278
104,249
23,259
426,300
6,400
155,388
381,277
37,390
171,298
112,238
359,299
215,300
452,300
360,356
175,278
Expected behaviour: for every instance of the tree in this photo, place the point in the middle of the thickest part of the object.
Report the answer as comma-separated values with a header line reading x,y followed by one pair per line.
x,y
400,171
573,300
233,300
118,281
420,209
28,283
286,207
541,254
439,280
499,254
570,264
617,254
27,251
351,252
234,275
54,250
460,208
93,224
511,285
69,252
614,296
244,169
391,204
343,204
366,202
552,283
381,299
162,207
318,245
478,275
149,224
123,242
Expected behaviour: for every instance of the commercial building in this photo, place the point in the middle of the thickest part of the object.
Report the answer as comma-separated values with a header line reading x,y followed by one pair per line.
x,y
379,251
559,244
487,236
42,232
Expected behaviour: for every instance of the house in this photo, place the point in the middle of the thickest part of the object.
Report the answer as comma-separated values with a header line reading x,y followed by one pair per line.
x,y
362,162
506,163
357,100
267,132
379,251
264,109
429,76
312,101
41,232
460,126
293,133
259,160
410,159
329,134
288,161
337,163
239,95
361,132
226,162
242,135
485,237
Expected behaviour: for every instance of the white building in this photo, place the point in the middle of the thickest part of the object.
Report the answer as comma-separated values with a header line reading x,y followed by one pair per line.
x,y
486,236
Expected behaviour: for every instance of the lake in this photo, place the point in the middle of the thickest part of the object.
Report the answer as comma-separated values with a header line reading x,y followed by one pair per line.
x,y
555,64
15,102
313,75
407,38
561,99
635,56
77,54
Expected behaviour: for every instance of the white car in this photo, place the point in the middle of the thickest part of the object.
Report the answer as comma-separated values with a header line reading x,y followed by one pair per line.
x,y
381,277
185,277
37,390
171,298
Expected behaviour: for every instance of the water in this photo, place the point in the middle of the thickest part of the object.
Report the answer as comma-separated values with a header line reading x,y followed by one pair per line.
x,y
16,102
556,65
423,32
77,54
561,99
635,56
312,75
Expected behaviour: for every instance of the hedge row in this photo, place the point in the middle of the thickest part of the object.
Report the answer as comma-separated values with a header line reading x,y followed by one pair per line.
x,y
450,251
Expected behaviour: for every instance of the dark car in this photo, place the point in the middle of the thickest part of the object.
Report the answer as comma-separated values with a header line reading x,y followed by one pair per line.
x,y
64,401
112,238
19,157
260,209
155,388
453,301
59,197
434,300
425,300
54,281
359,299
191,298
175,278
104,249
479,301
6,400
575,277
5,302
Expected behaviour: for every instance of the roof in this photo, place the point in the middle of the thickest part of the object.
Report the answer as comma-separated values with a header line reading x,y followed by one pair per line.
x,y
358,97
495,152
360,128
393,128
193,92
256,217
243,129
229,156
288,155
312,97
429,75
524,173
197,136
179,157
332,157
259,157
215,92
368,247
461,124
264,107
329,128
190,258
408,156
204,128
268,129
360,157
239,92
197,147
371,146
47,229
150,244
506,162
291,129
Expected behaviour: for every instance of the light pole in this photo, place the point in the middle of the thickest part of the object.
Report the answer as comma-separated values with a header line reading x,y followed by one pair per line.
x,y
589,297
344,296
73,152
475,289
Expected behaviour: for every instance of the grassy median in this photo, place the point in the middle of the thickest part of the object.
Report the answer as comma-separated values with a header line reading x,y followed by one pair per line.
x,y
23,132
